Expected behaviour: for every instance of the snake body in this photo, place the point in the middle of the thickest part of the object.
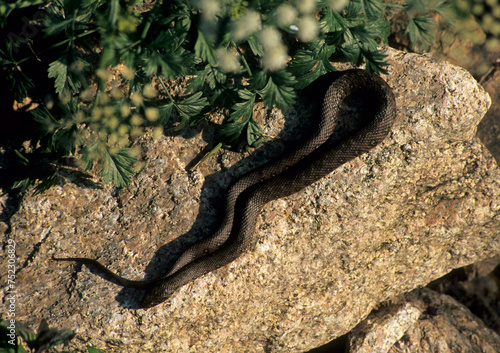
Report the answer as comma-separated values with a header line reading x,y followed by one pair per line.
x,y
313,158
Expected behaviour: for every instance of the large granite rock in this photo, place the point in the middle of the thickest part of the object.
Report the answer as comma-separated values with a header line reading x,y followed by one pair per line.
x,y
423,321
425,201
489,128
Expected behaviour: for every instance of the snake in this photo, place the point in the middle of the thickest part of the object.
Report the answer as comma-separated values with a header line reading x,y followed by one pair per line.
x,y
311,159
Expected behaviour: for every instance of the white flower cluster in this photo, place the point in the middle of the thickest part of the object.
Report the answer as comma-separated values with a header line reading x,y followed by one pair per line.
x,y
286,15
308,29
300,17
275,55
209,8
227,61
306,6
337,5
297,15
246,25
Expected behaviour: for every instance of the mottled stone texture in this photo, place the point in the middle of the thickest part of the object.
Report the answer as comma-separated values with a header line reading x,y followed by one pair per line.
x,y
489,128
425,201
432,322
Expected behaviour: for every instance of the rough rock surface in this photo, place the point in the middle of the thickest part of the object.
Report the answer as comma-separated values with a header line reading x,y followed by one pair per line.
x,y
432,322
425,201
381,329
489,128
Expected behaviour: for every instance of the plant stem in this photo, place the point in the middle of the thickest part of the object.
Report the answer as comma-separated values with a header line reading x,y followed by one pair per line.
x,y
244,60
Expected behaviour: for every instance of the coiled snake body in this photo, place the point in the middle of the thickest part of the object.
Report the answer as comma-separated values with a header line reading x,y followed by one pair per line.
x,y
314,158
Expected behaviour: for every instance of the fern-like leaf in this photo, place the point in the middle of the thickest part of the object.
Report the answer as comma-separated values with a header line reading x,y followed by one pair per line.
x,y
420,31
279,90
371,8
204,49
240,119
59,70
118,167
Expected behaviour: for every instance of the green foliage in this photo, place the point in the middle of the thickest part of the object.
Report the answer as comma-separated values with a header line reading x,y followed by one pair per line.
x,y
241,121
110,62
421,27
27,340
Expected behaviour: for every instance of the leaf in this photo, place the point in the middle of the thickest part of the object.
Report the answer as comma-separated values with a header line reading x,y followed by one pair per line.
x,y
384,30
240,117
64,75
19,82
93,350
89,154
114,12
221,94
420,31
258,80
206,156
172,64
47,122
189,109
309,64
440,7
5,340
364,37
204,49
165,51
6,8
54,26
375,61
232,131
196,83
255,46
279,90
371,8
353,15
46,183
193,105
415,7
45,338
50,337
21,184
334,21
22,159
28,172
243,110
304,62
118,167
58,136
90,5
59,70
215,78
254,133
165,112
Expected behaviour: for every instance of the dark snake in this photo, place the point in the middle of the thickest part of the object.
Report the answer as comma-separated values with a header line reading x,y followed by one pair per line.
x,y
312,159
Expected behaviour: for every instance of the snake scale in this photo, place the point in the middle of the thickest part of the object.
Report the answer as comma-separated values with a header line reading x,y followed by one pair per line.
x,y
312,159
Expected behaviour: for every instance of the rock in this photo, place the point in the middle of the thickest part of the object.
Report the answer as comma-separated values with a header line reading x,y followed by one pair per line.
x,y
380,331
489,128
432,322
423,202
476,287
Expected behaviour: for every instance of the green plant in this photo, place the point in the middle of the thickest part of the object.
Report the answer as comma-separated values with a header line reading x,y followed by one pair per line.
x,y
487,15
110,63
25,340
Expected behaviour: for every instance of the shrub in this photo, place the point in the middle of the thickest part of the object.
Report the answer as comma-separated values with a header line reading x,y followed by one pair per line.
x,y
106,66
